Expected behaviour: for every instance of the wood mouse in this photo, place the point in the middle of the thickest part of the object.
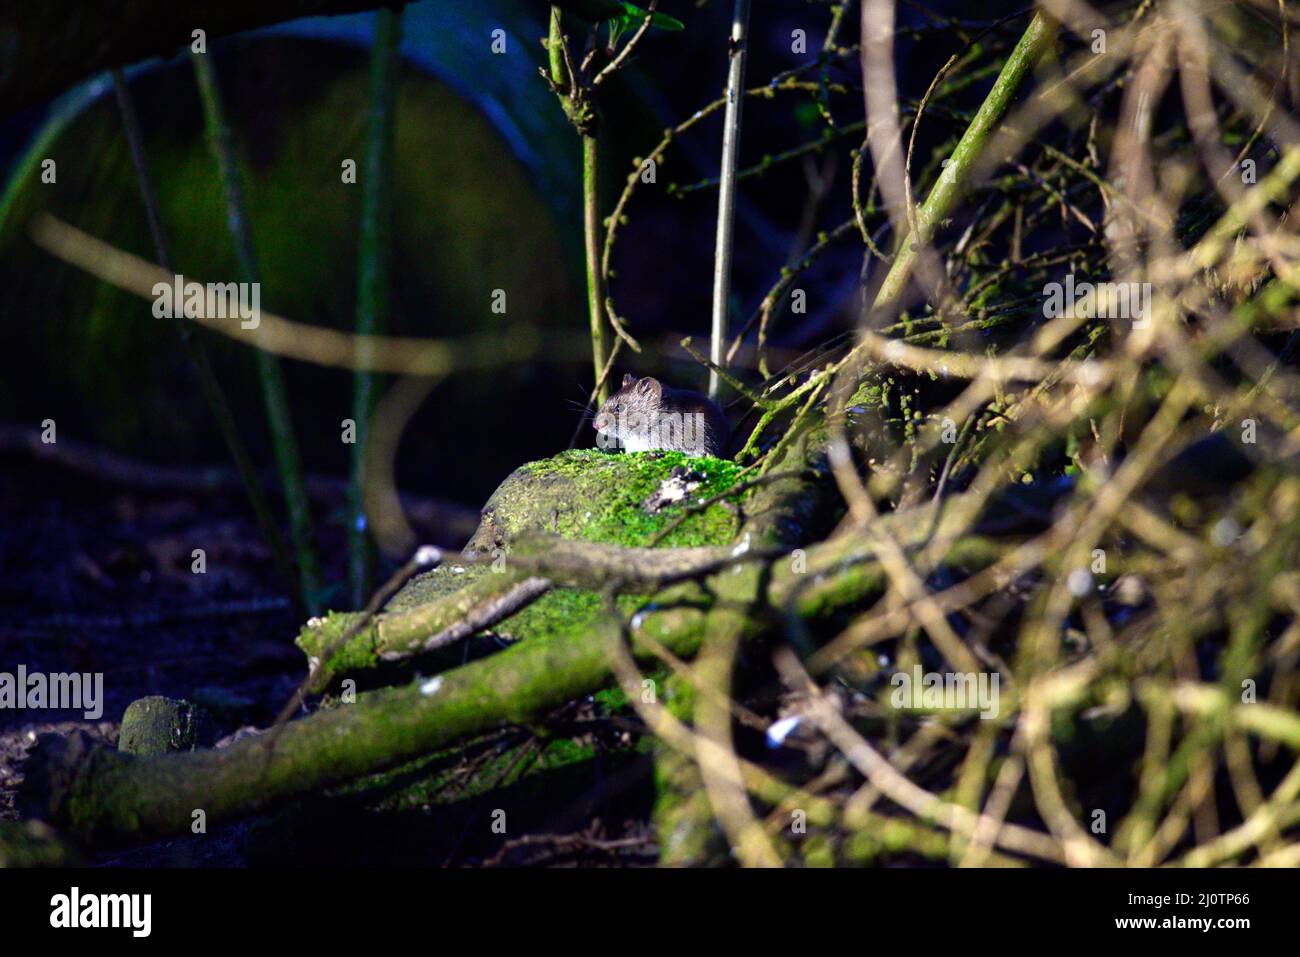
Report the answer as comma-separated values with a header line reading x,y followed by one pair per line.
x,y
646,414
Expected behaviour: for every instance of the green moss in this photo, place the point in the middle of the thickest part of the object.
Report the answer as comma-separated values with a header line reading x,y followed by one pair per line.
x,y
34,844
556,611
158,725
818,851
562,611
442,778
612,700
587,495
436,584
565,751
321,633
599,496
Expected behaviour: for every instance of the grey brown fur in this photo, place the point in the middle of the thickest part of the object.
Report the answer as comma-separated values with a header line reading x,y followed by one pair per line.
x,y
646,414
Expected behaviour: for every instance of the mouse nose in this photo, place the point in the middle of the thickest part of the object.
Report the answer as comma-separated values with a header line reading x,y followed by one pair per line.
x,y
601,422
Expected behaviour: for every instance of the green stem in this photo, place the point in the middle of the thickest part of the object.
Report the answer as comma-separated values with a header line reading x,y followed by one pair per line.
x,y
727,189
591,243
213,393
270,374
554,53
575,97
373,276
1037,38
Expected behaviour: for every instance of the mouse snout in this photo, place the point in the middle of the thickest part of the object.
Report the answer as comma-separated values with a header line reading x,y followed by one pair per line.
x,y
601,422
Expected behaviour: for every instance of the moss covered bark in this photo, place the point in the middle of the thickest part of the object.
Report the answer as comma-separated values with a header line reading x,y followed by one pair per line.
x,y
583,496
97,794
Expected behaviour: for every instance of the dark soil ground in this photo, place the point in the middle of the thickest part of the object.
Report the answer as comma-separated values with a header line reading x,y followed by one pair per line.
x,y
96,578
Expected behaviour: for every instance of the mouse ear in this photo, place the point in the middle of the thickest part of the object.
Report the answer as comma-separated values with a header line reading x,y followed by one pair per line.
x,y
648,386
628,379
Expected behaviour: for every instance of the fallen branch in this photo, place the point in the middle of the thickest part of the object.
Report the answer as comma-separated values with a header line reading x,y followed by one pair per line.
x,y
99,795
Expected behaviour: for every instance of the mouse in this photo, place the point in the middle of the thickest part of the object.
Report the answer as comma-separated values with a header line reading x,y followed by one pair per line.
x,y
645,414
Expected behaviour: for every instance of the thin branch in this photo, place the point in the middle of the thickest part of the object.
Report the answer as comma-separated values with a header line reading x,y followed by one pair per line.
x,y
736,50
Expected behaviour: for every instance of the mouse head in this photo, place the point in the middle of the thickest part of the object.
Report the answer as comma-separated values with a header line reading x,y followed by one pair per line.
x,y
634,397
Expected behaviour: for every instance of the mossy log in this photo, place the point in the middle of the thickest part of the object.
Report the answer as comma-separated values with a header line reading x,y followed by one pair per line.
x,y
596,496
97,795
603,508
157,725
35,844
